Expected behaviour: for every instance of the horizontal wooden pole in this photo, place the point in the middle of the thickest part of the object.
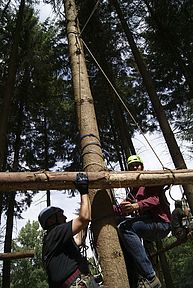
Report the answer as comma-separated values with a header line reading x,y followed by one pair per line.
x,y
17,255
43,180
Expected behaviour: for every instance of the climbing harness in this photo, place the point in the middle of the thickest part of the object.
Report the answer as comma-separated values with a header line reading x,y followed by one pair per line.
x,y
94,279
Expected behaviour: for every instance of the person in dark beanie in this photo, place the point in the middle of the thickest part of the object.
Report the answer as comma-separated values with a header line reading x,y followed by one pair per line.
x,y
61,256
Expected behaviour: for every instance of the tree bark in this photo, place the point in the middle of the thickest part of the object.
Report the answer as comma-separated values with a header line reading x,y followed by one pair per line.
x,y
119,124
5,113
8,91
17,255
168,134
165,266
8,239
9,86
11,204
105,231
41,180
46,149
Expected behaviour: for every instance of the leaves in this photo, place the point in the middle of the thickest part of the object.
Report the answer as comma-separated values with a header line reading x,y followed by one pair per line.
x,y
26,273
180,262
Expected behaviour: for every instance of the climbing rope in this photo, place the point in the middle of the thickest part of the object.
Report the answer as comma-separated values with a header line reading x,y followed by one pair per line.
x,y
94,251
90,16
115,91
123,103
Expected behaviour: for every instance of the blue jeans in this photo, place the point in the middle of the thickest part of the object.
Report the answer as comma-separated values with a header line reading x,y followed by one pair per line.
x,y
131,232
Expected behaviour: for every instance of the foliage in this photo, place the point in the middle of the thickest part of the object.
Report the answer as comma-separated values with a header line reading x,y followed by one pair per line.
x,y
27,273
180,262
42,109
169,49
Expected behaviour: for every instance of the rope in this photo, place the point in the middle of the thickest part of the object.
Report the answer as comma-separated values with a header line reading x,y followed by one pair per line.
x,y
94,9
94,251
89,135
79,84
91,143
92,152
123,103
93,163
115,91
170,188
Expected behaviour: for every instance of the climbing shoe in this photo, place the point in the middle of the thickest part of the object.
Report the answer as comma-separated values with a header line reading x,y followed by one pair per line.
x,y
144,283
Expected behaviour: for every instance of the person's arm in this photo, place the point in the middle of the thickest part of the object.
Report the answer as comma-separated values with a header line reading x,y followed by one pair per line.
x,y
128,207
80,237
145,199
84,217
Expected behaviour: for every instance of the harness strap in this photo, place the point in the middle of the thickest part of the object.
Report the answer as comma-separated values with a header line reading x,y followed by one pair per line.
x,y
70,279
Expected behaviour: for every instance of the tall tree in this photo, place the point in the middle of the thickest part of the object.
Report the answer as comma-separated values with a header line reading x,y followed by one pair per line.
x,y
105,233
26,273
98,33
11,206
160,113
168,32
9,90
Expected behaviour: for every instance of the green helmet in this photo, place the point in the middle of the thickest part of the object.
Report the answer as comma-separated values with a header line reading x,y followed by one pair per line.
x,y
134,159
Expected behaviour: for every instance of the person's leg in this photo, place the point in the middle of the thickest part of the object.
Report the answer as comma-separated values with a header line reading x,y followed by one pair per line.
x,y
130,266
131,231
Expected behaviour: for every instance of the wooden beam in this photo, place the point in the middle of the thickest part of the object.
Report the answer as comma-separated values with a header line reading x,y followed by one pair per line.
x,y
17,255
43,180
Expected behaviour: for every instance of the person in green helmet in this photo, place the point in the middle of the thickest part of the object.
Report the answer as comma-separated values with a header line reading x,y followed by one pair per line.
x,y
135,163
148,218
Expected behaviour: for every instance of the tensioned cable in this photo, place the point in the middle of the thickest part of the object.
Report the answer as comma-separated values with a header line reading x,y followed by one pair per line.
x,y
94,9
123,103
117,94
121,100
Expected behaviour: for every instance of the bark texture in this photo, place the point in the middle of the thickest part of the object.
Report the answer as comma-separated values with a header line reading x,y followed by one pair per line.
x,y
41,180
105,231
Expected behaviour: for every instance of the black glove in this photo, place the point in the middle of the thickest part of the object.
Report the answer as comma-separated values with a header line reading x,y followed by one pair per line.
x,y
81,183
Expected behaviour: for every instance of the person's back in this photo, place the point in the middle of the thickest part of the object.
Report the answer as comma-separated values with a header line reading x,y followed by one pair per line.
x,y
176,219
60,253
178,230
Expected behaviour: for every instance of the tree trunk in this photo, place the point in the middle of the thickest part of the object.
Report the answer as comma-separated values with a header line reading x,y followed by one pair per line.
x,y
167,37
46,149
8,240
121,131
120,126
103,221
8,91
163,122
11,205
9,86
165,266
118,144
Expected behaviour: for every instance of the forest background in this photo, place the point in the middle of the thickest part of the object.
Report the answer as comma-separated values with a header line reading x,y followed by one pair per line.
x,y
37,105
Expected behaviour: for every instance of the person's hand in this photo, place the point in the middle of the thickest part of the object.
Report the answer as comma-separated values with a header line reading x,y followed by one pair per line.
x,y
128,207
81,183
186,211
190,235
